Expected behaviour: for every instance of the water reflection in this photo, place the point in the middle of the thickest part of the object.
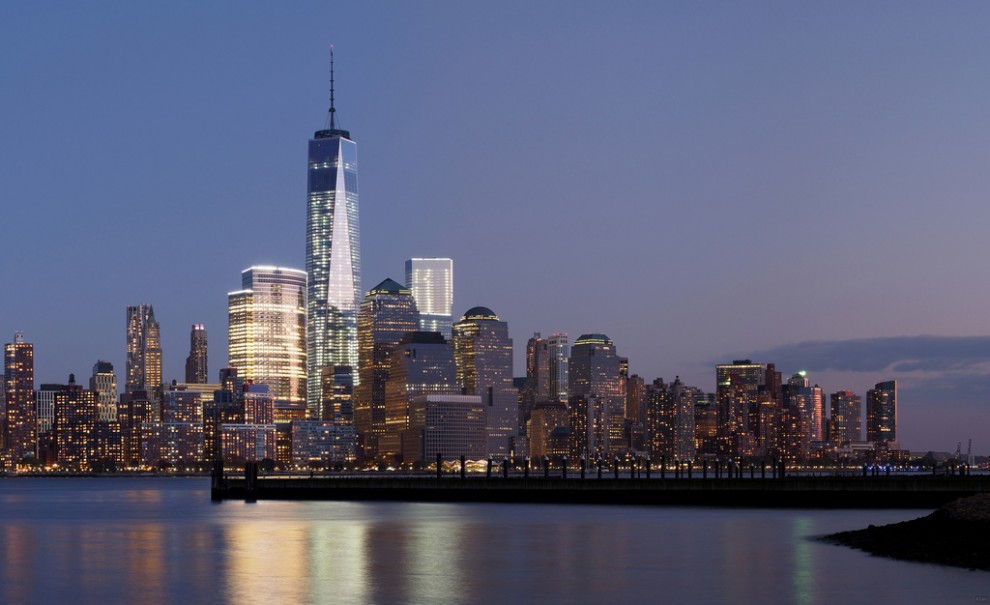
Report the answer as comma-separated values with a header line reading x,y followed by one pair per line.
x,y
160,543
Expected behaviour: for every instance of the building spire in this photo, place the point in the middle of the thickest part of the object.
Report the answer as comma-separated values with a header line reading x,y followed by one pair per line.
x,y
332,109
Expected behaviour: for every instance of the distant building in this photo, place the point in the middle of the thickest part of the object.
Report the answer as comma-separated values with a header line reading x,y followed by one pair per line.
x,y
881,415
337,398
597,402
104,382
321,443
670,420
144,350
172,443
197,370
421,364
388,312
447,424
248,442
847,417
483,352
737,387
431,281
267,330
20,427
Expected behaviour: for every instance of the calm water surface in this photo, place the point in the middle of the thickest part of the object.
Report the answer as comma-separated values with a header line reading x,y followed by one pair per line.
x,y
156,541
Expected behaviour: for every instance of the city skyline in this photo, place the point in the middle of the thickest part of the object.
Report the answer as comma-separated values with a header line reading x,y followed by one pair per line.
x,y
852,149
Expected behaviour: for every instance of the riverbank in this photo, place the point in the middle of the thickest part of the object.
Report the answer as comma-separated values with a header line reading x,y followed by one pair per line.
x,y
958,534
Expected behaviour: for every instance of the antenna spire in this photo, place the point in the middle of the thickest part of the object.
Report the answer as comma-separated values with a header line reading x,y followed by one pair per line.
x,y
332,109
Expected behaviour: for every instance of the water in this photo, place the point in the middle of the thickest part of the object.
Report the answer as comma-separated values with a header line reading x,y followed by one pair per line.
x,y
156,541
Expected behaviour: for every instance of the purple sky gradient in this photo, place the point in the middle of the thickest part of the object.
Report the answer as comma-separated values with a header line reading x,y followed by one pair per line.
x,y
699,181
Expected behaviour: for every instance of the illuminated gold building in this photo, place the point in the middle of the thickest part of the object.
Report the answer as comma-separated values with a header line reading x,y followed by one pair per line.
x,y
267,330
144,350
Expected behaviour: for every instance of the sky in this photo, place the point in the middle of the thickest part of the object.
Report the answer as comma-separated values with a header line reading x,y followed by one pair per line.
x,y
803,184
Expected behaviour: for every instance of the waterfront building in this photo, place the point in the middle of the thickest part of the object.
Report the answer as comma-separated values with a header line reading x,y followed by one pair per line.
x,y
737,387
388,313
596,396
134,411
421,364
321,443
802,417
104,382
670,420
144,350
483,353
20,424
44,399
333,252
172,443
447,424
179,404
881,415
267,330
431,281
545,417
76,416
847,418
197,369
259,406
247,442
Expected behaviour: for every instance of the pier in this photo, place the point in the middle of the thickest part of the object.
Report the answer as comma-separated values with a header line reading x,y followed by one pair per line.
x,y
918,490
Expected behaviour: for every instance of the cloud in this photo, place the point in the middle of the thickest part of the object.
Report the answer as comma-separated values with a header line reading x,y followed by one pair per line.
x,y
902,354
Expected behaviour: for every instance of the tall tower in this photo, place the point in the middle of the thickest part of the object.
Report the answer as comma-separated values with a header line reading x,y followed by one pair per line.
x,y
196,366
266,336
20,426
881,414
144,350
387,314
333,253
483,351
104,382
847,417
432,283
596,402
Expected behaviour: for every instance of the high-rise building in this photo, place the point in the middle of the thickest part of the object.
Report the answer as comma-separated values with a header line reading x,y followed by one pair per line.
x,y
333,253
596,397
196,364
387,314
881,414
445,424
267,330
802,417
847,417
558,354
421,364
20,427
432,283
144,350
104,382
483,351
737,387
670,420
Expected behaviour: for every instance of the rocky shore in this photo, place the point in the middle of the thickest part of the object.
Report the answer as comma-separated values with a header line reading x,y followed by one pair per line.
x,y
957,534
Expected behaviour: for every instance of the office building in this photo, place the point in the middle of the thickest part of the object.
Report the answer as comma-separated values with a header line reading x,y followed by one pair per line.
x,y
483,352
421,364
447,424
333,252
432,283
197,369
267,330
596,400
144,350
388,313
881,415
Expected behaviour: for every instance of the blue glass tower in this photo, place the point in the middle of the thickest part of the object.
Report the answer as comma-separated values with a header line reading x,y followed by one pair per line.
x,y
333,254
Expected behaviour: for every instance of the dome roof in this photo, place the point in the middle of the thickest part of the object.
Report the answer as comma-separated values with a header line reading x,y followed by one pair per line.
x,y
479,313
596,339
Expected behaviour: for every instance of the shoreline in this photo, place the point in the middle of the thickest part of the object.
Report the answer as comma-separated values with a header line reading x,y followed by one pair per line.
x,y
957,535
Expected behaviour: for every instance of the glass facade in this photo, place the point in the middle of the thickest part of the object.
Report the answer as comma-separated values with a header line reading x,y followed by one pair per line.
x,y
881,414
266,336
432,283
333,257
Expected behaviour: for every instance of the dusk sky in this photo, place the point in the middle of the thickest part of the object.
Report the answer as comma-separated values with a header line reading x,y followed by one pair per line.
x,y
798,183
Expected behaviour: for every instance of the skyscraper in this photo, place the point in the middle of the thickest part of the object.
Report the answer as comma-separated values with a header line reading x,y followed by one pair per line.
x,y
432,283
847,417
483,351
144,350
20,426
266,337
196,366
104,382
387,314
596,401
333,253
881,414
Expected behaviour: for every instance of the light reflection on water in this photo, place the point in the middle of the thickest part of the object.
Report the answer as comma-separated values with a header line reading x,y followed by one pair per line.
x,y
160,541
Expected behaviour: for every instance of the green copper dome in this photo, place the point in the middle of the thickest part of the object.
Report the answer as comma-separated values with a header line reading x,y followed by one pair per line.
x,y
593,339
